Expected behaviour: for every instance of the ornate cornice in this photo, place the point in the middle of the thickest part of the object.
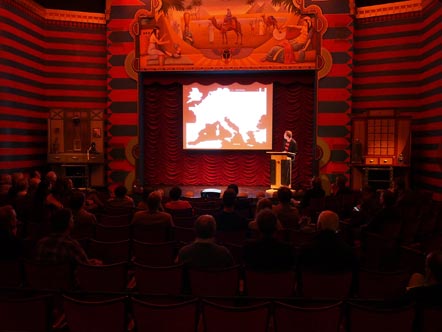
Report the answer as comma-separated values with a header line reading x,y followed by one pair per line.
x,y
63,15
396,8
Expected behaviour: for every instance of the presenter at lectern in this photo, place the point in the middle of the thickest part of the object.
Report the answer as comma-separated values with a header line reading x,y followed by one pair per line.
x,y
290,144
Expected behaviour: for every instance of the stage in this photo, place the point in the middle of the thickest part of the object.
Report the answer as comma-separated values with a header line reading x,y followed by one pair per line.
x,y
195,191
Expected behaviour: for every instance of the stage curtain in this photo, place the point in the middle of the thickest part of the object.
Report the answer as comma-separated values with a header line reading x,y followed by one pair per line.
x,y
166,163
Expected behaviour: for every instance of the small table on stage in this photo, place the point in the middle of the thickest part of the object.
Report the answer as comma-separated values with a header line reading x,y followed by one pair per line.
x,y
281,169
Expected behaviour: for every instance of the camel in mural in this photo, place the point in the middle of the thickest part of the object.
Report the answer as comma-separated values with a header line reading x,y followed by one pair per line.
x,y
270,22
232,25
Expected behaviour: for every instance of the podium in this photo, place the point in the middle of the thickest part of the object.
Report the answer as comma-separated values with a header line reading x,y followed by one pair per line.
x,y
281,169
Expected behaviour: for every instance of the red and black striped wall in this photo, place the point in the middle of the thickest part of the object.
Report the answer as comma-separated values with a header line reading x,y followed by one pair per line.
x,y
397,66
44,64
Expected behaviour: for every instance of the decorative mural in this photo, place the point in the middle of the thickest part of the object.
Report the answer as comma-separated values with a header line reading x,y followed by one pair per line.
x,y
232,35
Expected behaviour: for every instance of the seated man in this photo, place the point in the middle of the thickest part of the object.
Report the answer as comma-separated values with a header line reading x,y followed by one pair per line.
x,y
153,215
121,200
287,214
204,252
267,252
328,252
228,219
176,203
58,247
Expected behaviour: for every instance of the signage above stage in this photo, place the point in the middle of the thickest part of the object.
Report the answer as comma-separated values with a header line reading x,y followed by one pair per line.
x,y
217,37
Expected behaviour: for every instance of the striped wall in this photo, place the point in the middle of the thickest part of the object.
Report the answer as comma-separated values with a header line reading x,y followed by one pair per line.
x,y
49,62
427,124
397,65
44,64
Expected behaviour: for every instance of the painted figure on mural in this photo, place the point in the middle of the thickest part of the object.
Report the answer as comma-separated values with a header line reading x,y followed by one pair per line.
x,y
285,51
156,44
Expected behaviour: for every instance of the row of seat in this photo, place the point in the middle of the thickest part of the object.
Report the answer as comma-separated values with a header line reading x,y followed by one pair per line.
x,y
123,313
176,280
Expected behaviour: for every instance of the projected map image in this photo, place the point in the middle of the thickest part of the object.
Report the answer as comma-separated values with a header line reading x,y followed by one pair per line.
x,y
227,118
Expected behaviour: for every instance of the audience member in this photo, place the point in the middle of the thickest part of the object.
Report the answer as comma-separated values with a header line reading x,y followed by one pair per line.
x,y
263,204
267,252
234,187
79,213
11,246
58,247
176,203
228,219
315,191
41,210
427,289
403,195
51,176
153,215
387,218
287,214
60,194
328,252
204,252
340,186
120,200
367,207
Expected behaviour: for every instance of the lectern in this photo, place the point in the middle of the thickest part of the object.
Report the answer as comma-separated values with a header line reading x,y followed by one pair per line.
x,y
281,169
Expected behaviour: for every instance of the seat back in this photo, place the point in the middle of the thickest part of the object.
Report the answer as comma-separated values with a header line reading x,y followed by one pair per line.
x,y
214,282
31,314
382,285
221,318
109,252
429,319
269,284
102,278
364,318
300,238
325,318
237,251
159,280
48,276
325,285
112,233
11,273
236,236
184,221
154,254
83,231
151,233
181,316
188,212
91,316
183,235
114,219
380,252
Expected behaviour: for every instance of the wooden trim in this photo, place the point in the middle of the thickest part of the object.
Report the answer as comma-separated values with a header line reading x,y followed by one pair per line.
x,y
63,15
389,9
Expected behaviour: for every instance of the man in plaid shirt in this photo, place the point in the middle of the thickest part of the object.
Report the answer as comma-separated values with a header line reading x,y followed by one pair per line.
x,y
59,247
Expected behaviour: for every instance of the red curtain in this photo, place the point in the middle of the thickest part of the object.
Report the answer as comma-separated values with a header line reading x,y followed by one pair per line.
x,y
165,161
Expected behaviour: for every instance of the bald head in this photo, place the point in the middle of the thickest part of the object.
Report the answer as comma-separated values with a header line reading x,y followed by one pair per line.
x,y
328,220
